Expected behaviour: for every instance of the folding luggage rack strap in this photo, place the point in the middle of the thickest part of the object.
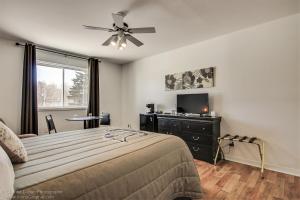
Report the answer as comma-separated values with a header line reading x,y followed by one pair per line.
x,y
245,139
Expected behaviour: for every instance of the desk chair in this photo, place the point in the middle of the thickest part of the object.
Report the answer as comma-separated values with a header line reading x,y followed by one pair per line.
x,y
50,124
105,119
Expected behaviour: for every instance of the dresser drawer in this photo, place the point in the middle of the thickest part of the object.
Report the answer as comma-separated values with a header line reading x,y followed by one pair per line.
x,y
197,127
197,138
201,152
163,125
175,127
170,126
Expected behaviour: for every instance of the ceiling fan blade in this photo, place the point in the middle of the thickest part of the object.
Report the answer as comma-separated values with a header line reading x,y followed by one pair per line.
x,y
142,30
108,41
133,40
98,28
118,19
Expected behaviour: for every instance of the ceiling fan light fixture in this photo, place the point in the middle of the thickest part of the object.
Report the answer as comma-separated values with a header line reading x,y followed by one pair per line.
x,y
122,32
123,42
114,41
121,48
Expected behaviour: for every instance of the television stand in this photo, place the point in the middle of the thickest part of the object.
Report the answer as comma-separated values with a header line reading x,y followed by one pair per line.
x,y
200,133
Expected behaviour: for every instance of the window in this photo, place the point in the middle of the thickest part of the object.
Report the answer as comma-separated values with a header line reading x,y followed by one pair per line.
x,y
61,86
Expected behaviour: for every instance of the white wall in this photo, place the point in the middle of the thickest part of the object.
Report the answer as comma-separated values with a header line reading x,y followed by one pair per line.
x,y
11,61
11,66
298,92
256,87
110,91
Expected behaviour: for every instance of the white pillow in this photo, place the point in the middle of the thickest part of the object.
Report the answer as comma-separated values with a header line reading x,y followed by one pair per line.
x,y
12,145
7,176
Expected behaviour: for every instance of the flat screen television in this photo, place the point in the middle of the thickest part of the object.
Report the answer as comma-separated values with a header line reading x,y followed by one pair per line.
x,y
192,103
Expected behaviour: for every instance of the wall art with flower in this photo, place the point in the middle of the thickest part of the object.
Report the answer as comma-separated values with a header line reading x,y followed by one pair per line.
x,y
200,78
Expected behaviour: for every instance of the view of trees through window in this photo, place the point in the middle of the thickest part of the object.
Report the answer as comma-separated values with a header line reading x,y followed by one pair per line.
x,y
61,87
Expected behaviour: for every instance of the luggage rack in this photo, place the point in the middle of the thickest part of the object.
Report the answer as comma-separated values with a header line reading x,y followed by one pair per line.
x,y
244,139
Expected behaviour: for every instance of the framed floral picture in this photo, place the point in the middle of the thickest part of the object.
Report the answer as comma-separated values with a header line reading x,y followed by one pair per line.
x,y
201,78
173,81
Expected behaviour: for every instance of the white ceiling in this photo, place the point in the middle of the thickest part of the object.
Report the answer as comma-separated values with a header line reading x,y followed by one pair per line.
x,y
58,23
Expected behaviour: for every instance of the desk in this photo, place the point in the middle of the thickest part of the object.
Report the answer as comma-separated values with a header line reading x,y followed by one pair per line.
x,y
85,119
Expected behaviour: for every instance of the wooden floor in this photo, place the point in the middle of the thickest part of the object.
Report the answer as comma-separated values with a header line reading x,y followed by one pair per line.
x,y
234,181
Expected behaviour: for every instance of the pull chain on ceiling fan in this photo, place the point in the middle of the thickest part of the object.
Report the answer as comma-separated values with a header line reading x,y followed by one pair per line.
x,y
123,32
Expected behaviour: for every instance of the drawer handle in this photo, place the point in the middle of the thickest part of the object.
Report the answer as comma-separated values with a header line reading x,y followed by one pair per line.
x,y
196,149
203,128
195,138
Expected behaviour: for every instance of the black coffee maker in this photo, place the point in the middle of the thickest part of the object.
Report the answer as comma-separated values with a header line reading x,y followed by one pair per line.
x,y
150,106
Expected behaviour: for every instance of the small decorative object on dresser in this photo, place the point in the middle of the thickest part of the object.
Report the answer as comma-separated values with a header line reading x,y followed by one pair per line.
x,y
150,108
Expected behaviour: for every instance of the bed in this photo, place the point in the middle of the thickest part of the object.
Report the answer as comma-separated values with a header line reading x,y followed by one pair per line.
x,y
106,163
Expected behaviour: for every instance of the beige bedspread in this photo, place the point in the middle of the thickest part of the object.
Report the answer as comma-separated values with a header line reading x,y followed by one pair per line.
x,y
106,163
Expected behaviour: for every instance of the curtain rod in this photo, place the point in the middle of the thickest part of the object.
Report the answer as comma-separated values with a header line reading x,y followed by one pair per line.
x,y
61,52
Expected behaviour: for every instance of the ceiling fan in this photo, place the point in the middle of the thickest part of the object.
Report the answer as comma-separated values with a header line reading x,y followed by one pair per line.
x,y
122,32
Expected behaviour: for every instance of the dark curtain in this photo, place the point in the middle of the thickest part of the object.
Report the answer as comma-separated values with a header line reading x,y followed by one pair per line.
x,y
93,106
29,112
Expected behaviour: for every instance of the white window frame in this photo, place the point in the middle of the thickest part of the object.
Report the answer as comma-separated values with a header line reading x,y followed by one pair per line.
x,y
61,66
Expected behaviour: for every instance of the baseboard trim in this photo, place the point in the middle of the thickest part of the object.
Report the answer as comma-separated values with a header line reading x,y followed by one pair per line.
x,y
285,170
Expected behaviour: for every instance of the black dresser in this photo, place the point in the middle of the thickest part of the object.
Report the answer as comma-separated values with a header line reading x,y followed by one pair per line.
x,y
199,133
148,122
